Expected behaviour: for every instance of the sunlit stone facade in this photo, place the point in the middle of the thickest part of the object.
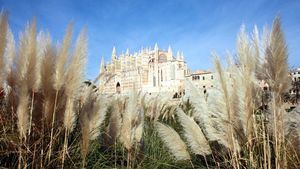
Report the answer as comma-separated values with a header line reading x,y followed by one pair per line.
x,y
149,71
203,80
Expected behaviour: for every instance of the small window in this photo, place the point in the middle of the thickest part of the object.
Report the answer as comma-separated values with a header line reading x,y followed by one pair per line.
x,y
204,87
203,77
212,77
212,86
175,95
118,88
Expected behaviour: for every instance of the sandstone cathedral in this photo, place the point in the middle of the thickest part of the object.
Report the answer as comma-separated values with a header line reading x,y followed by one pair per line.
x,y
148,71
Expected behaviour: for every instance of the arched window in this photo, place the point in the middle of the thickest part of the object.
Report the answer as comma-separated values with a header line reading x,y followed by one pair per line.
x,y
154,81
175,95
118,88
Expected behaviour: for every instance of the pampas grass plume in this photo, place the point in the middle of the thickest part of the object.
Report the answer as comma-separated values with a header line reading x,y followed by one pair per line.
x,y
193,134
3,40
23,112
74,78
173,141
75,71
61,59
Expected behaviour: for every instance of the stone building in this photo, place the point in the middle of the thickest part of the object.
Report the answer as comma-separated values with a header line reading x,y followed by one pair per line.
x,y
149,71
295,87
203,80
295,74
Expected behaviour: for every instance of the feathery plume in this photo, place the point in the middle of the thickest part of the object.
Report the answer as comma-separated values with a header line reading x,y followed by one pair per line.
x,y
202,112
130,114
115,120
74,78
276,57
10,53
47,65
92,115
85,134
257,52
97,117
69,116
227,106
61,59
22,112
33,69
22,62
193,134
245,81
3,40
10,50
47,72
173,141
41,44
75,72
138,130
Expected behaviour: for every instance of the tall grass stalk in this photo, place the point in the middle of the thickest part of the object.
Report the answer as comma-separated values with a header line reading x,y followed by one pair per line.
x,y
59,76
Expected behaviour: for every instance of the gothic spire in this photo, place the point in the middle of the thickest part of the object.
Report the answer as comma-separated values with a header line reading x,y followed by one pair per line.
x,y
127,52
156,47
178,55
170,50
102,65
114,53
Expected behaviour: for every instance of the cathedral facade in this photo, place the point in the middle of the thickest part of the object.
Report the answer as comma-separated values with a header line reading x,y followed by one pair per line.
x,y
148,71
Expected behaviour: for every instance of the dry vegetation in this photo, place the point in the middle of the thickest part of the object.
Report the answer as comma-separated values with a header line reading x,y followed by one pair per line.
x,y
51,119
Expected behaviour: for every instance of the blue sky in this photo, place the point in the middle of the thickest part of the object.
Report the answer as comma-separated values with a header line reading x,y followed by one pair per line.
x,y
196,27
